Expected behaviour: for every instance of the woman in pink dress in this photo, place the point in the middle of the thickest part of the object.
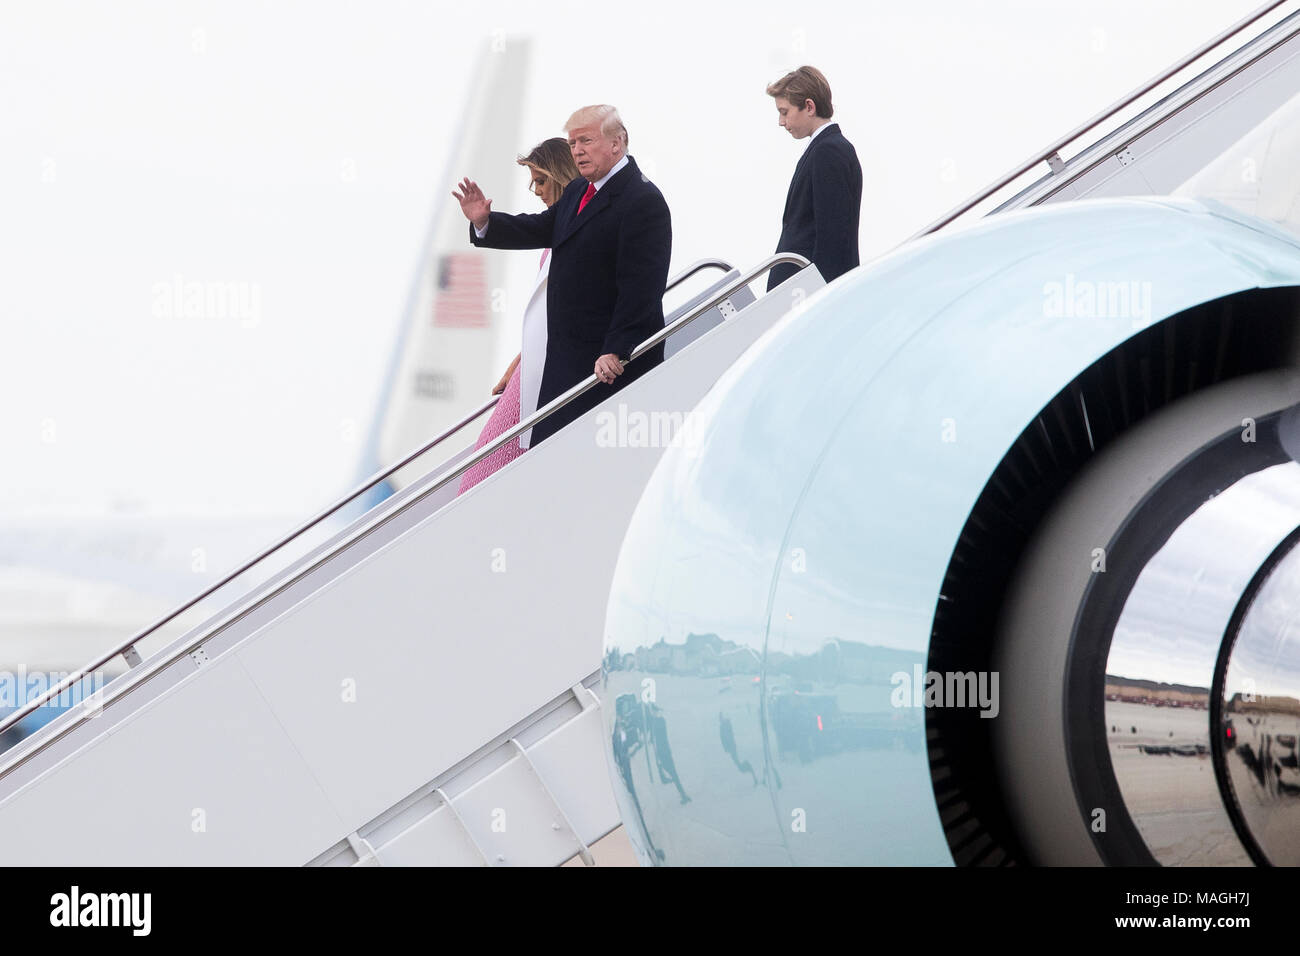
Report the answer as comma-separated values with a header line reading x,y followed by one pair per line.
x,y
551,168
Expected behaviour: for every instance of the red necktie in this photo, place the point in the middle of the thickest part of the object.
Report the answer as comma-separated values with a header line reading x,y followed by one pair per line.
x,y
586,197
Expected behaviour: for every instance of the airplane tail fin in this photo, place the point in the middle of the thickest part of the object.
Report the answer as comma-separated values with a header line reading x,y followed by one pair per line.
x,y
444,360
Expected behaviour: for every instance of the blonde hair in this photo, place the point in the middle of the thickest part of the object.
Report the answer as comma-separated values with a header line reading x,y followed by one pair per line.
x,y
553,159
611,124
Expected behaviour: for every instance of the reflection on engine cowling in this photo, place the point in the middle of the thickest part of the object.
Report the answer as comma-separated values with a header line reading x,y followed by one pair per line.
x,y
1260,723
741,751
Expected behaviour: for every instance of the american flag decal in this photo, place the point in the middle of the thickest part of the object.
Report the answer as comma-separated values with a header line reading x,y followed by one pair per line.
x,y
461,301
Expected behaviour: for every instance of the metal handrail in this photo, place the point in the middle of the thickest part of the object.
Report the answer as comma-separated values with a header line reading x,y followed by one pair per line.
x,y
1047,152
542,413
698,266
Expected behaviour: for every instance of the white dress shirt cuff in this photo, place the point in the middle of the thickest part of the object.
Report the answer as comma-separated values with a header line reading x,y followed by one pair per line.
x,y
480,232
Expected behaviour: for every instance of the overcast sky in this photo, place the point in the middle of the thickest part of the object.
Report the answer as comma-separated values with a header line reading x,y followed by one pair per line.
x,y
295,149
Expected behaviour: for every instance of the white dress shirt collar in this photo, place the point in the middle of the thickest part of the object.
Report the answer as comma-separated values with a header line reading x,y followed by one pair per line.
x,y
604,179
813,135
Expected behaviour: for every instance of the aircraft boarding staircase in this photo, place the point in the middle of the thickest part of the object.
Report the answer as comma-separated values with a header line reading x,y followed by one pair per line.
x,y
422,687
